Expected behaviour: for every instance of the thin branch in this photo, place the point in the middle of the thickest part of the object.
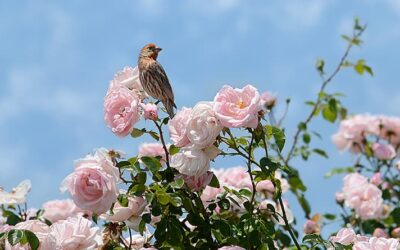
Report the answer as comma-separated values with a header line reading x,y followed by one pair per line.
x,y
289,228
163,143
319,99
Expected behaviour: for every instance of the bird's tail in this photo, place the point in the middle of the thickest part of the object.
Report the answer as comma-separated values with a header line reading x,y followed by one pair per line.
x,y
169,106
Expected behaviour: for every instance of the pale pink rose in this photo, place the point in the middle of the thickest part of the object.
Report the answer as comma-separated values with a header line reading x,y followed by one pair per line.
x,y
37,227
265,186
203,126
128,77
178,127
377,179
231,248
237,108
91,188
267,100
210,193
101,158
380,233
198,183
121,110
311,227
353,130
152,150
135,207
339,197
383,151
363,196
5,228
377,244
150,111
345,236
191,162
56,210
396,232
390,130
137,241
236,177
74,233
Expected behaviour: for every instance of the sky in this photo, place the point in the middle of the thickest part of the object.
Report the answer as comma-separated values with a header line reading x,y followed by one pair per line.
x,y
57,58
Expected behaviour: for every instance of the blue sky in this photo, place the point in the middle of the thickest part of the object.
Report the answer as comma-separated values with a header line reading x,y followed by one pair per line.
x,y
56,59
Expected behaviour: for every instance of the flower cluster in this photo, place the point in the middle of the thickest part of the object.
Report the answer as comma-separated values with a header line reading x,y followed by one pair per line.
x,y
362,196
347,237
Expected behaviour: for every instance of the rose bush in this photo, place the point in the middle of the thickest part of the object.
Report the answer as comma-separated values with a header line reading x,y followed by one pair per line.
x,y
173,197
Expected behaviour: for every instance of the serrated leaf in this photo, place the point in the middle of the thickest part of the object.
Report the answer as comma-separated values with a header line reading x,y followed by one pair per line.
x,y
153,164
14,236
279,137
137,132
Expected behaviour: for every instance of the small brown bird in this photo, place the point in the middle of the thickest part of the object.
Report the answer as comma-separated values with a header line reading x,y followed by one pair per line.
x,y
154,79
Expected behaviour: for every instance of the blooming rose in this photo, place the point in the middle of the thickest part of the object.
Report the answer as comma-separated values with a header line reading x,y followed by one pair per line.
x,y
210,193
191,162
150,111
178,127
56,210
203,126
198,183
363,196
121,110
311,227
17,194
236,177
152,150
128,77
74,233
377,244
390,129
37,227
237,108
383,151
135,207
91,188
345,236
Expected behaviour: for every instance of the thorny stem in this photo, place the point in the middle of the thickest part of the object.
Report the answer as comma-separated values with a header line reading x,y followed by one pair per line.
x,y
249,170
319,99
163,143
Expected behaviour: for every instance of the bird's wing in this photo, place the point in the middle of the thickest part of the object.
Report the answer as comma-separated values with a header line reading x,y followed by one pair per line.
x,y
159,74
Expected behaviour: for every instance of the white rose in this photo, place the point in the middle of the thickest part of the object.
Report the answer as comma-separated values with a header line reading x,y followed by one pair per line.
x,y
191,161
203,125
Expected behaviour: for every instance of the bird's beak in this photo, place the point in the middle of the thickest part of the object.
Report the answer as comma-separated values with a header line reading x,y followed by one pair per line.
x,y
158,49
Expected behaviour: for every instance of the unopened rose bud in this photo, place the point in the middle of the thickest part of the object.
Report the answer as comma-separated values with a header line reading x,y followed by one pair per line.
x,y
311,227
396,232
383,151
380,233
268,100
376,179
150,111
339,197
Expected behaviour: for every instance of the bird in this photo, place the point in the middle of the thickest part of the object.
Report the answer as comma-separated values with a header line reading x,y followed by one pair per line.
x,y
153,78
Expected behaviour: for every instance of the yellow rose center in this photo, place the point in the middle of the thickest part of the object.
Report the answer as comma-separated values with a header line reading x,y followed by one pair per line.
x,y
241,104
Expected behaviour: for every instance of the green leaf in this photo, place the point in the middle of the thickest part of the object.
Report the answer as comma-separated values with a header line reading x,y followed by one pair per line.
x,y
396,215
178,183
214,182
12,218
279,137
329,216
306,138
296,184
33,241
336,171
320,66
14,236
320,152
304,204
137,132
329,114
153,164
173,149
163,198
123,200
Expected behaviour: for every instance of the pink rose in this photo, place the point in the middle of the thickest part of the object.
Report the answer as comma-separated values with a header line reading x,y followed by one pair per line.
x,y
311,227
210,193
377,244
237,108
236,177
339,197
37,227
383,151
56,210
128,77
152,150
75,233
191,162
135,207
198,183
390,129
203,126
150,111
265,186
91,188
5,228
267,100
377,179
345,236
178,127
380,233
121,110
